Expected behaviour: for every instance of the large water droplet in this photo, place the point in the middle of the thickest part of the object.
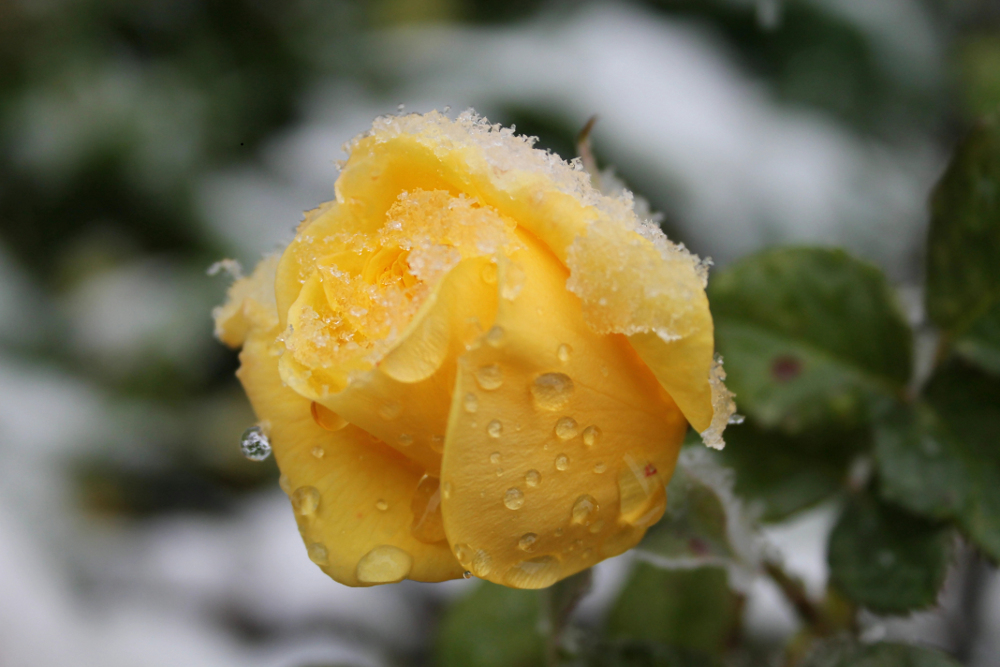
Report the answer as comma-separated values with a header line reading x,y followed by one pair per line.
x,y
482,564
494,428
255,444
564,352
427,525
527,542
532,478
495,337
513,498
318,553
539,572
305,500
489,377
583,510
326,418
464,553
470,403
384,564
566,428
562,462
643,497
591,435
552,391
389,411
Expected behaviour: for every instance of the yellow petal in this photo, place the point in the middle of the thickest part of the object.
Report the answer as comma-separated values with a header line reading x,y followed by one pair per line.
x,y
250,305
351,493
562,462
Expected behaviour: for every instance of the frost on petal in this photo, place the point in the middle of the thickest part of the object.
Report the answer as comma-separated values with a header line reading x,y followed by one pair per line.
x,y
724,409
249,305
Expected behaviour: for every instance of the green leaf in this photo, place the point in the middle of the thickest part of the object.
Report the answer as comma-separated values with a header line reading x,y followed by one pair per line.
x,y
786,474
963,247
940,458
887,559
495,626
684,609
810,337
645,654
848,653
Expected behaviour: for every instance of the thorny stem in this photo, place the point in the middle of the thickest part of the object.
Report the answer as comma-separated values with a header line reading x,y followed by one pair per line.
x,y
791,586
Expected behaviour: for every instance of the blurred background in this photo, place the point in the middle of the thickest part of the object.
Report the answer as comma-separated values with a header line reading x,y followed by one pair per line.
x,y
142,141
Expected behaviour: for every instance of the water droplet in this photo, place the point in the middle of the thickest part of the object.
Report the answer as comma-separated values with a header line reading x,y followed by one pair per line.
x,y
384,564
604,371
467,575
599,468
736,419
566,428
597,526
317,452
527,542
405,439
437,443
495,336
532,478
482,564
562,462
381,505
489,377
463,553
564,352
305,500
489,274
552,391
427,525
513,498
326,418
583,510
499,472
494,429
539,572
446,490
643,498
495,458
284,484
390,411
470,403
318,553
255,444
591,435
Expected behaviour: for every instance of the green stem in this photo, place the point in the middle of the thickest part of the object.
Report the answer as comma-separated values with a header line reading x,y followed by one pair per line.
x,y
812,615
557,604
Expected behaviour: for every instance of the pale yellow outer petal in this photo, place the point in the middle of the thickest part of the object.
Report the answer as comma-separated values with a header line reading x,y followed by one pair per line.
x,y
355,475
503,526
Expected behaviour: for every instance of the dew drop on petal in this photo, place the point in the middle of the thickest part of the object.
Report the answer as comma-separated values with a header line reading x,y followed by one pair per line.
x,y
467,575
405,439
482,564
597,526
566,428
326,418
427,525
495,337
305,500
583,510
463,553
489,274
551,391
591,435
384,564
562,462
539,572
489,377
381,505
470,403
513,498
495,458
532,478
499,472
494,429
318,553
390,411
317,452
437,443
255,444
564,352
599,468
527,542
643,498
284,484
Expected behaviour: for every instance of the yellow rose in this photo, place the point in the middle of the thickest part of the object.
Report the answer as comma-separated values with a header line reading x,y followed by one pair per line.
x,y
472,360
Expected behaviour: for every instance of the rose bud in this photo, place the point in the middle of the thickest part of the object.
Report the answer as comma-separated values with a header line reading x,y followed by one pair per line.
x,y
472,360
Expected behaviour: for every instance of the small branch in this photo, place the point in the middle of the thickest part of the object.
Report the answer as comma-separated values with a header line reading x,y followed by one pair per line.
x,y
793,589
558,603
586,154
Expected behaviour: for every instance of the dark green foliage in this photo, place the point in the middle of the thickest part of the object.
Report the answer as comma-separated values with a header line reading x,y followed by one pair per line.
x,y
887,559
844,653
810,337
